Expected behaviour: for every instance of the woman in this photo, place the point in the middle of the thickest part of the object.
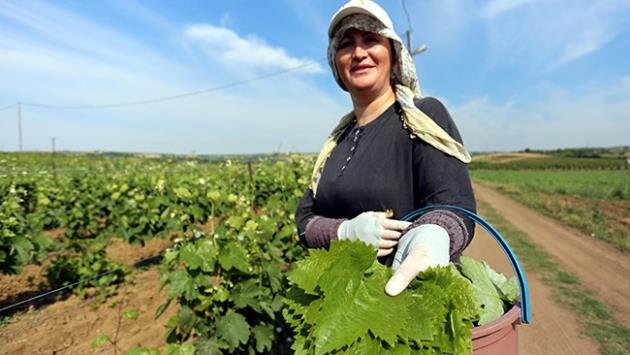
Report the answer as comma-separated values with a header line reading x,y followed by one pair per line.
x,y
394,152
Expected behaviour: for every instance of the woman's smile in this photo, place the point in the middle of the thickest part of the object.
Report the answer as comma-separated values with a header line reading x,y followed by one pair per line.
x,y
361,68
363,60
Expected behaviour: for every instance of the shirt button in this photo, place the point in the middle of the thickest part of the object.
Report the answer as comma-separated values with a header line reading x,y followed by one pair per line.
x,y
352,148
348,158
343,167
356,133
356,138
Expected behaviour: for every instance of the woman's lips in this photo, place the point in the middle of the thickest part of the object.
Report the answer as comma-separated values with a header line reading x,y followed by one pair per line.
x,y
361,69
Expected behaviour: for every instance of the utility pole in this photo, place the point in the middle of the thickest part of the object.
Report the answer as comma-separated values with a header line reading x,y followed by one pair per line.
x,y
54,165
421,48
19,117
418,50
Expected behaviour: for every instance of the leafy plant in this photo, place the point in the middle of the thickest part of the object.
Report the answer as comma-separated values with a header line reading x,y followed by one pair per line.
x,y
86,268
337,304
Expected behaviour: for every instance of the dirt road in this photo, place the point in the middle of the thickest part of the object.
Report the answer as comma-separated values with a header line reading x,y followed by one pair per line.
x,y
599,267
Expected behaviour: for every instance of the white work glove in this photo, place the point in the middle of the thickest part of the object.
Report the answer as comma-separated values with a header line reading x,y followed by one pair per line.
x,y
373,228
422,247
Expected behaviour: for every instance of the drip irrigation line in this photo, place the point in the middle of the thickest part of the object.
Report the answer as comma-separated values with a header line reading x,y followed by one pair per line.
x,y
173,97
35,322
57,290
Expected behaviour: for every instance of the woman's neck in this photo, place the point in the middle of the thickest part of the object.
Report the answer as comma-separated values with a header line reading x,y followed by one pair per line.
x,y
367,109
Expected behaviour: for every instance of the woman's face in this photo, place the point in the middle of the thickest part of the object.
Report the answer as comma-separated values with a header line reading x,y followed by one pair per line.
x,y
364,61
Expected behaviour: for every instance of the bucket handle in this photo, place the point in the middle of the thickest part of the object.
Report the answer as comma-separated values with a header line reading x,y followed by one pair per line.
x,y
516,267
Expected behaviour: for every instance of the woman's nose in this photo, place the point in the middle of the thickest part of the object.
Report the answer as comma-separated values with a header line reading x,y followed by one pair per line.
x,y
358,52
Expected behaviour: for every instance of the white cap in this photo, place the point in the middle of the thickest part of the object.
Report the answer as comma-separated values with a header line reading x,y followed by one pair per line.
x,y
366,7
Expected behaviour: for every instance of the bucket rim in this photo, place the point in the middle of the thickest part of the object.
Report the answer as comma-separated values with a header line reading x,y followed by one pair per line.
x,y
508,318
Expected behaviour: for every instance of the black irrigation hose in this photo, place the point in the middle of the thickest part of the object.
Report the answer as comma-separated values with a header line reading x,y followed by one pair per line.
x,y
137,264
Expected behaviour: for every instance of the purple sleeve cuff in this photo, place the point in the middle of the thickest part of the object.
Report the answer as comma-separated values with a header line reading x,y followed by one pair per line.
x,y
320,231
454,226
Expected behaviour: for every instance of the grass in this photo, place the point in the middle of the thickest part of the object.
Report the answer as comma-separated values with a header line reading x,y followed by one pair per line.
x,y
596,184
595,202
596,318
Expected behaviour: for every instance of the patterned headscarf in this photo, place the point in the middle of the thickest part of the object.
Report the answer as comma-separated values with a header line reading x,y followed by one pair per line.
x,y
406,88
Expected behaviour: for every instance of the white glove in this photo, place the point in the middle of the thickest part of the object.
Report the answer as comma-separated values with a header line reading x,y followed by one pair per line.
x,y
373,228
422,247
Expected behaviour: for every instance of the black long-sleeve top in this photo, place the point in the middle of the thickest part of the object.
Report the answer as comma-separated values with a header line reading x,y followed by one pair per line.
x,y
380,166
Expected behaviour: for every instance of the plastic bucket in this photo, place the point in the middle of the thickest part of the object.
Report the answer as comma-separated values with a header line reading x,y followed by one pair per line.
x,y
498,337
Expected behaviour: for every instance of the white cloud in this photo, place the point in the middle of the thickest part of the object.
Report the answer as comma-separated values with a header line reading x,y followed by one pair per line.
x,y
231,49
553,33
600,117
497,7
63,64
67,30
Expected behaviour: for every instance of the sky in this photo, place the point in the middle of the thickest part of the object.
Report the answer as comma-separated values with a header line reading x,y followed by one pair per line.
x,y
514,74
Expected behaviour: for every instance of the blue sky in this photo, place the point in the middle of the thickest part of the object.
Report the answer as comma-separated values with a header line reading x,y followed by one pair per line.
x,y
513,73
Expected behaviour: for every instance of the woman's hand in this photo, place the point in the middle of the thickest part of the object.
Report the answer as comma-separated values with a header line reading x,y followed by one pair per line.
x,y
373,228
422,247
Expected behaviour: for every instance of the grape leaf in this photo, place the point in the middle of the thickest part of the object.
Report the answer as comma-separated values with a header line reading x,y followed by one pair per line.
x,y
233,255
188,254
233,328
263,334
483,289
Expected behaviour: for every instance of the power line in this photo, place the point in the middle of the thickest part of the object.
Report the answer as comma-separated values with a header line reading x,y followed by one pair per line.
x,y
173,97
8,107
407,14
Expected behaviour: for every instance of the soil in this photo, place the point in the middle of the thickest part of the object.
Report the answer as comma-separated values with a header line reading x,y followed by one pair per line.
x,y
70,325
599,266
553,329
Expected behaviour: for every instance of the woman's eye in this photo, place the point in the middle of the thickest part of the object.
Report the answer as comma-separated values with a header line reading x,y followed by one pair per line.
x,y
345,44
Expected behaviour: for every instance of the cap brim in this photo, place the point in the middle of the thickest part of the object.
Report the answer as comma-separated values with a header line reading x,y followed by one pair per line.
x,y
352,10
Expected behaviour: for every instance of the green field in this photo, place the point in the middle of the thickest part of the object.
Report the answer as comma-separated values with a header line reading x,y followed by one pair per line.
x,y
593,200
590,184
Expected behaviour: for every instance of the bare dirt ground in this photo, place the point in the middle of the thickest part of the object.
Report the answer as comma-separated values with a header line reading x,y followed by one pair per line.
x,y
555,330
70,325
508,157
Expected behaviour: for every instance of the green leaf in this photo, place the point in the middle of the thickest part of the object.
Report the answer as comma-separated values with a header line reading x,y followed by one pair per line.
x,y
140,350
263,334
236,222
349,261
186,319
248,293
130,314
233,328
182,193
206,251
186,348
160,310
507,288
188,255
233,255
181,284
340,307
346,316
483,289
209,346
100,340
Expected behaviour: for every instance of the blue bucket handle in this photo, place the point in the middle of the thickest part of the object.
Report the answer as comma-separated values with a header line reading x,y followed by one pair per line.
x,y
516,267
